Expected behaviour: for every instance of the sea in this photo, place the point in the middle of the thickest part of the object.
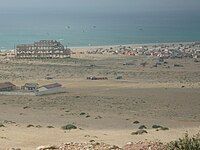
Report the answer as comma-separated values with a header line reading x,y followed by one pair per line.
x,y
96,29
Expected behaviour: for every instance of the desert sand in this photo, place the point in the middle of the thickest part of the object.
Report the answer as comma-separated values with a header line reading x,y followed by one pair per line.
x,y
105,110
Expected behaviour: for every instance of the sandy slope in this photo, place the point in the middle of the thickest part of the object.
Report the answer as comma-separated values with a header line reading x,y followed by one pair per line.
x,y
168,97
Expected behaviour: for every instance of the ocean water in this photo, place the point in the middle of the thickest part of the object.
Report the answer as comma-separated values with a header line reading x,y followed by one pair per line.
x,y
75,30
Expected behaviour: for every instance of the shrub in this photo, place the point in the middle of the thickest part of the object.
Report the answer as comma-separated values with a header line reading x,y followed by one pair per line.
x,y
142,127
185,143
82,113
139,132
159,127
69,127
1,125
136,122
164,128
156,126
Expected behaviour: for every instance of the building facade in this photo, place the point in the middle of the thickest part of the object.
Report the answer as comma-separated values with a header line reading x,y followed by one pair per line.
x,y
42,49
31,87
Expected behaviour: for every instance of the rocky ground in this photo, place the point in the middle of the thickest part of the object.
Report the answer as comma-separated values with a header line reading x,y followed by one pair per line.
x,y
103,146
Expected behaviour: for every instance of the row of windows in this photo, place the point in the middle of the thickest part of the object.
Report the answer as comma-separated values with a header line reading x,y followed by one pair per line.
x,y
39,48
39,52
44,56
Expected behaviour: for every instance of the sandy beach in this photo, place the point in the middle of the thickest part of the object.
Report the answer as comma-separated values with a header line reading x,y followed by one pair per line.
x,y
103,111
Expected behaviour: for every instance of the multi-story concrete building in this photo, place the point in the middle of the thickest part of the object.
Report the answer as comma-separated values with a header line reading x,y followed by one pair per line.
x,y
42,49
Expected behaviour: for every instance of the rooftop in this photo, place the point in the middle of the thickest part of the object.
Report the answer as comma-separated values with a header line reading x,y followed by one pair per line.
x,y
43,43
54,85
6,85
31,84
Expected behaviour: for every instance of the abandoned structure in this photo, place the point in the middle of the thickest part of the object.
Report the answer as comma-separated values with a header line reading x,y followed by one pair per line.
x,y
7,86
54,88
31,87
42,49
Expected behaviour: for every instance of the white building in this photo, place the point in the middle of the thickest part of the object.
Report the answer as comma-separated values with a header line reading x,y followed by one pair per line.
x,y
50,89
42,49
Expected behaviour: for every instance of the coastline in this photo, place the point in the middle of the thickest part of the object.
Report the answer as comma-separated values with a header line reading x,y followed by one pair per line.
x,y
135,44
117,45
184,42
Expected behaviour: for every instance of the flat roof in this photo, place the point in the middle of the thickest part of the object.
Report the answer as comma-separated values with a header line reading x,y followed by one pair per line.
x,y
6,85
54,85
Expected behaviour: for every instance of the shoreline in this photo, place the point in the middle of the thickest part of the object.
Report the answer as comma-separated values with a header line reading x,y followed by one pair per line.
x,y
116,45
133,44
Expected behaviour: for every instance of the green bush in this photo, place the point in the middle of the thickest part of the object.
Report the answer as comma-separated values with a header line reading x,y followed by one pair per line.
x,y
185,143
69,127
1,125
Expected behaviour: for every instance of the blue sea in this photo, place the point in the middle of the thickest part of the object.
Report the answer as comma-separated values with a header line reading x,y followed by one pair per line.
x,y
85,29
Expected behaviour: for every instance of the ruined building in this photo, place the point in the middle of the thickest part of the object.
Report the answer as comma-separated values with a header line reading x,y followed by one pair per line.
x,y
42,49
